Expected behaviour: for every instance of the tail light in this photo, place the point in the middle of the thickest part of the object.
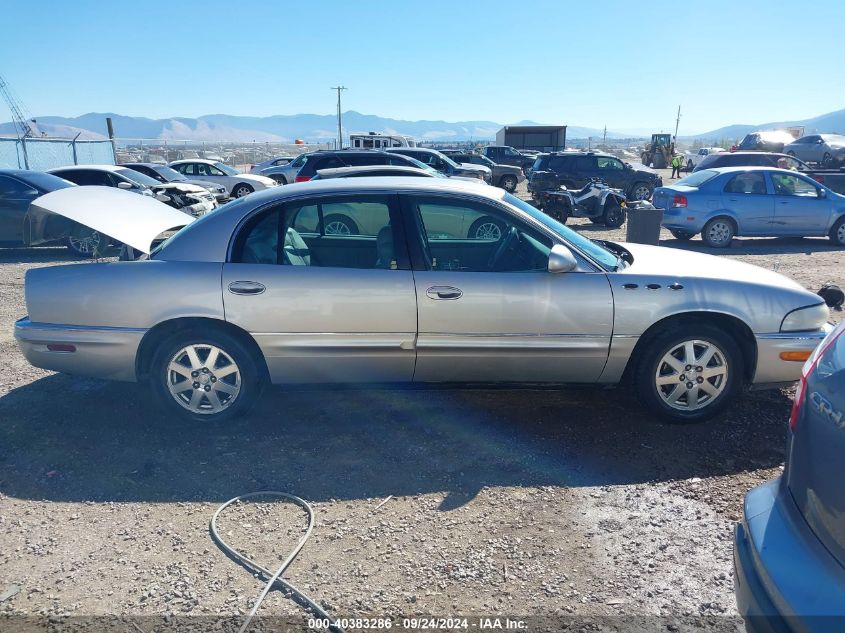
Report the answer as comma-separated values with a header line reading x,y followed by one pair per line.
x,y
679,201
302,179
800,392
818,178
809,366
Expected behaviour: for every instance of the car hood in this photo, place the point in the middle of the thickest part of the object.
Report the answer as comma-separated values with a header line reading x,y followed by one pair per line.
x,y
182,187
264,180
123,216
682,264
470,167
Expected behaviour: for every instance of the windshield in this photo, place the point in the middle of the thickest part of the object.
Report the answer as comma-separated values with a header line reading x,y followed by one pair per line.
x,y
423,166
448,160
136,176
299,161
585,245
698,178
167,173
229,171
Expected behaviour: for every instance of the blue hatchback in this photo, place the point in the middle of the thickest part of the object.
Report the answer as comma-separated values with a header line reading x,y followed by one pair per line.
x,y
763,201
789,549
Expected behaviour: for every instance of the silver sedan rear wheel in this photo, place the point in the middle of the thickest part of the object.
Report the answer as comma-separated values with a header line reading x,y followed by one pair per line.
x,y
691,375
203,379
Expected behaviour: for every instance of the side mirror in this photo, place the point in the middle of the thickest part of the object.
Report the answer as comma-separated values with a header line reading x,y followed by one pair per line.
x,y
124,185
161,197
822,193
561,260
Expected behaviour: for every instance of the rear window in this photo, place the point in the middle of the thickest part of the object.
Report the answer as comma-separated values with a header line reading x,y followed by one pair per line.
x,y
698,178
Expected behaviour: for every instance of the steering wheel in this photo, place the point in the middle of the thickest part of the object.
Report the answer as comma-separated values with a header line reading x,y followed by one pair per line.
x,y
504,247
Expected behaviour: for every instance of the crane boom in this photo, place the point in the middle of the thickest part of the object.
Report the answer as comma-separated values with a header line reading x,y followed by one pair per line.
x,y
18,118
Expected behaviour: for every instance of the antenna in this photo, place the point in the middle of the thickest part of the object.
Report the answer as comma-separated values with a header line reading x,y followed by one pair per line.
x,y
18,118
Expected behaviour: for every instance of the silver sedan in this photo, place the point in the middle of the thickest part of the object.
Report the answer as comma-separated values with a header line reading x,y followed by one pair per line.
x,y
436,281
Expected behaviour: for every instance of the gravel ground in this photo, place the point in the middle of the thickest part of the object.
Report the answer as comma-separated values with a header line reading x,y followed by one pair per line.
x,y
501,503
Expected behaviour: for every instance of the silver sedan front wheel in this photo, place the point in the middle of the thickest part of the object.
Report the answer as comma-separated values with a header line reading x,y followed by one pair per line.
x,y
691,375
203,379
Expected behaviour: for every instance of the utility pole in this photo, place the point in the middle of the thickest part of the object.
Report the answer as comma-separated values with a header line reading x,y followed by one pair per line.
x,y
339,123
677,123
604,139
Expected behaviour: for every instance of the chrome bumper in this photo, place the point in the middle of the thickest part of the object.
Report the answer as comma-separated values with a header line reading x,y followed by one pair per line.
x,y
101,352
770,367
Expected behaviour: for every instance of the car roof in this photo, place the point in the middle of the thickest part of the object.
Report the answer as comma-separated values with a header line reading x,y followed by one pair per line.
x,y
412,149
143,164
21,173
365,168
739,168
193,160
753,153
94,167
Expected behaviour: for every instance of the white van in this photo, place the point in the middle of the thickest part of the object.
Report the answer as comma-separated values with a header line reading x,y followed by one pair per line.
x,y
375,140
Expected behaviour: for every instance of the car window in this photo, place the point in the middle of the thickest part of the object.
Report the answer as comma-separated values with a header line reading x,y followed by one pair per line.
x,y
334,232
789,185
328,162
211,170
750,183
605,162
509,151
375,159
87,177
557,163
474,237
186,168
584,163
12,189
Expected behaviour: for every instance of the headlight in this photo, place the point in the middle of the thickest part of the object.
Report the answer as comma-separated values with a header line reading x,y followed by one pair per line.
x,y
803,319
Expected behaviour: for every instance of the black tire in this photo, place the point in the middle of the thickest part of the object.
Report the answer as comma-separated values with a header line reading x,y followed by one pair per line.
x,y
614,214
486,228
559,212
650,364
249,384
279,178
684,236
640,191
84,243
242,189
718,232
837,233
508,183
338,224
826,159
690,165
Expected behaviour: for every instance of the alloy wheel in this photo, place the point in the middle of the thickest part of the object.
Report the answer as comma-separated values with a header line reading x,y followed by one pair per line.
x,y
85,244
840,234
691,375
203,379
720,232
641,193
338,227
488,231
240,192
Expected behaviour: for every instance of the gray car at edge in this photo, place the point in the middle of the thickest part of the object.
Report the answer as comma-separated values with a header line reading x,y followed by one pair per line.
x,y
789,549
260,292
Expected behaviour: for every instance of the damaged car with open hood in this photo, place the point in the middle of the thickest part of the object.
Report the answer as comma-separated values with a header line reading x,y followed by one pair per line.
x,y
259,292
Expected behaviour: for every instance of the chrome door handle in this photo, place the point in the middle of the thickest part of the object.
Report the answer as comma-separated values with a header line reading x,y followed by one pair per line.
x,y
246,288
444,292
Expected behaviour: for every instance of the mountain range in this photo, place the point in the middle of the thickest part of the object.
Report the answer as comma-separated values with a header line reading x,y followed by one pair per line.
x,y
277,128
322,128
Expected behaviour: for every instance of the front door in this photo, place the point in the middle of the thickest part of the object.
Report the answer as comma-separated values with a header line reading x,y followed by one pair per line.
x,y
15,197
800,208
324,305
747,197
489,310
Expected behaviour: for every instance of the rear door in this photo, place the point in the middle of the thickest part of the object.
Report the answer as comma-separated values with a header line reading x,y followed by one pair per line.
x,y
746,194
326,307
816,468
800,208
15,197
489,310
584,168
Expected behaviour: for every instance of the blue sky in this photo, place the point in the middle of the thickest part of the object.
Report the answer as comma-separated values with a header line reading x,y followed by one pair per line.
x,y
623,64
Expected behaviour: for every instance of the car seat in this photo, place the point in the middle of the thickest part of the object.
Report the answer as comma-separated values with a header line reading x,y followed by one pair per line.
x,y
384,247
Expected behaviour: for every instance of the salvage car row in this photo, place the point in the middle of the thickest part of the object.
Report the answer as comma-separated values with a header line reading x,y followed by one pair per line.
x,y
424,279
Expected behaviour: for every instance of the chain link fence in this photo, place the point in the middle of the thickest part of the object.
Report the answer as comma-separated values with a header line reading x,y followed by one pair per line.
x,y
47,153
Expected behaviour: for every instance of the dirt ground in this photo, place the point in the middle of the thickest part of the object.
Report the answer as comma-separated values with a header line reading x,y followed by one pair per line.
x,y
565,504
